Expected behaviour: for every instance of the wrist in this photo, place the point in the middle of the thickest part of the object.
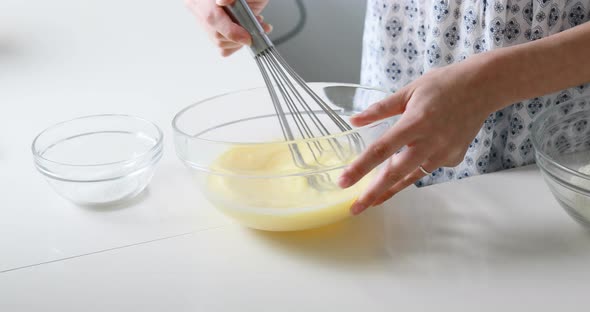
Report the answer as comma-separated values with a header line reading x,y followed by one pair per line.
x,y
485,80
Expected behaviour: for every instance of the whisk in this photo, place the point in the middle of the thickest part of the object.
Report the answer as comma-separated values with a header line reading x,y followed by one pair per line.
x,y
297,106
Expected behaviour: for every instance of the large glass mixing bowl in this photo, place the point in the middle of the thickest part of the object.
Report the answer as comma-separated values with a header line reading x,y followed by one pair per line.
x,y
561,137
233,143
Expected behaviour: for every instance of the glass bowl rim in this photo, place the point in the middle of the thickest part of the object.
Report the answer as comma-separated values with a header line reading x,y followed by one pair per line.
x,y
336,135
50,175
536,145
151,150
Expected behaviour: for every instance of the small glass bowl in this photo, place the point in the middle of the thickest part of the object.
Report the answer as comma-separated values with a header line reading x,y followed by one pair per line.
x,y
561,138
242,126
99,159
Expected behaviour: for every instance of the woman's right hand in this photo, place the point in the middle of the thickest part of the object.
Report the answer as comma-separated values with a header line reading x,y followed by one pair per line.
x,y
227,35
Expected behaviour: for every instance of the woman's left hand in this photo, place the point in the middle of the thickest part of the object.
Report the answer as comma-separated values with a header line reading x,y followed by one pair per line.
x,y
441,113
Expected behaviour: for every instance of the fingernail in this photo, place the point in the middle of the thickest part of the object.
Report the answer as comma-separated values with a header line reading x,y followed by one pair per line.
x,y
357,208
261,17
270,28
344,181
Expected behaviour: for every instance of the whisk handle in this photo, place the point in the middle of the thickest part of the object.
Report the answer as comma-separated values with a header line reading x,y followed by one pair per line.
x,y
241,13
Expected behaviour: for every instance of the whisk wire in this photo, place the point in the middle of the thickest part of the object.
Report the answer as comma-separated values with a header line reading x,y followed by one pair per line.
x,y
342,125
284,84
298,118
287,134
292,99
317,122
300,124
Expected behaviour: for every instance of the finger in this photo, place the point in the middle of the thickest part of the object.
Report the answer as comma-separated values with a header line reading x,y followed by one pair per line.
x,y
222,42
223,24
401,165
406,181
267,27
396,188
226,44
224,2
393,105
395,138
228,52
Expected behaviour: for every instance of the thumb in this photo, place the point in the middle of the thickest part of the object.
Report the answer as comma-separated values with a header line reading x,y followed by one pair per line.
x,y
392,105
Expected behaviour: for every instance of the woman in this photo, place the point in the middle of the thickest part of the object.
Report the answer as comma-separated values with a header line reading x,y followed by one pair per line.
x,y
468,76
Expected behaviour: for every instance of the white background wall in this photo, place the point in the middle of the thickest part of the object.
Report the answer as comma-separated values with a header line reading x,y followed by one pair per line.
x,y
329,46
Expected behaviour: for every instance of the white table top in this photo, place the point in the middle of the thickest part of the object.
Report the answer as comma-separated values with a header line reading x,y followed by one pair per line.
x,y
488,243
475,245
63,59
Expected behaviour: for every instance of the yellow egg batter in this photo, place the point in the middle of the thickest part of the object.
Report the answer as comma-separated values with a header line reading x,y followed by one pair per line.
x,y
265,201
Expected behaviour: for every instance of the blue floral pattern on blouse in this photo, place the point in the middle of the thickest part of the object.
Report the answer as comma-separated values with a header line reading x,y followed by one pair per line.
x,y
403,39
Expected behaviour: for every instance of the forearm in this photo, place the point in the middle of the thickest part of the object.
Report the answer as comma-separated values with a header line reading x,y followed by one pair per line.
x,y
536,68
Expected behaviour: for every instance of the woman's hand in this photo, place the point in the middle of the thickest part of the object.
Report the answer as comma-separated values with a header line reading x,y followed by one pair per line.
x,y
443,110
441,113
227,35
